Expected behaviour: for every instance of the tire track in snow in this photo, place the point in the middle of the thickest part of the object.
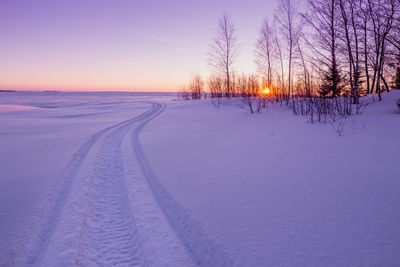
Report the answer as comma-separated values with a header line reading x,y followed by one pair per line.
x,y
204,250
108,234
110,209
41,231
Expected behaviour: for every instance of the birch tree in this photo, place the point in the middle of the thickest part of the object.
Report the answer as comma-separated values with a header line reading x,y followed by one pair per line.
x,y
223,50
287,17
382,14
321,16
264,52
351,40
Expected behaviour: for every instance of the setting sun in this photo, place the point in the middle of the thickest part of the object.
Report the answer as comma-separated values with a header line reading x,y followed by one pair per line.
x,y
266,91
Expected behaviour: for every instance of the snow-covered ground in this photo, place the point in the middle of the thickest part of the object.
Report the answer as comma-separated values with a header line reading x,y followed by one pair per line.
x,y
108,178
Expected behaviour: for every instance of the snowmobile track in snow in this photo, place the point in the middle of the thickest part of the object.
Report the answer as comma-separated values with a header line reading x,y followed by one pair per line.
x,y
110,209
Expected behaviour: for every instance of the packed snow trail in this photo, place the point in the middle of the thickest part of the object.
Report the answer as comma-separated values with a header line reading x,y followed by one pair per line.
x,y
110,209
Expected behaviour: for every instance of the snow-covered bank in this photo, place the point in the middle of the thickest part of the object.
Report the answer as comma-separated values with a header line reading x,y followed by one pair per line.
x,y
275,190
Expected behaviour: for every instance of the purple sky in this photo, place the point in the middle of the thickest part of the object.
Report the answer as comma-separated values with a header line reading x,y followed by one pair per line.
x,y
152,45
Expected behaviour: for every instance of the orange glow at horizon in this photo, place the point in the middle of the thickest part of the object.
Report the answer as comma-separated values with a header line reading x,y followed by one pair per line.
x,y
266,91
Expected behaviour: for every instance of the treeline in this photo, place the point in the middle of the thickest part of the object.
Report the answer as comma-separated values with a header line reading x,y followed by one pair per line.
x,y
311,49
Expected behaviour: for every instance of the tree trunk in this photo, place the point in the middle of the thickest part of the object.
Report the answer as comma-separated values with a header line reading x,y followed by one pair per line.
x,y
366,57
227,83
385,83
290,70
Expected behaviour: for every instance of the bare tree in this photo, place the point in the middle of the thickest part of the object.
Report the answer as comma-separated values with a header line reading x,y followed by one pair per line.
x,y
364,17
233,84
194,90
183,93
264,52
249,89
253,85
352,38
287,16
215,86
223,49
321,15
280,54
382,14
306,75
394,40
196,87
245,95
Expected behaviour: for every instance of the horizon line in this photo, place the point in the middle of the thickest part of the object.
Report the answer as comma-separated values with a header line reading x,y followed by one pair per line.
x,y
83,91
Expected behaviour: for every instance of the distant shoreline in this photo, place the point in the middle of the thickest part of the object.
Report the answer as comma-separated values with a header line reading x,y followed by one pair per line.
x,y
60,91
